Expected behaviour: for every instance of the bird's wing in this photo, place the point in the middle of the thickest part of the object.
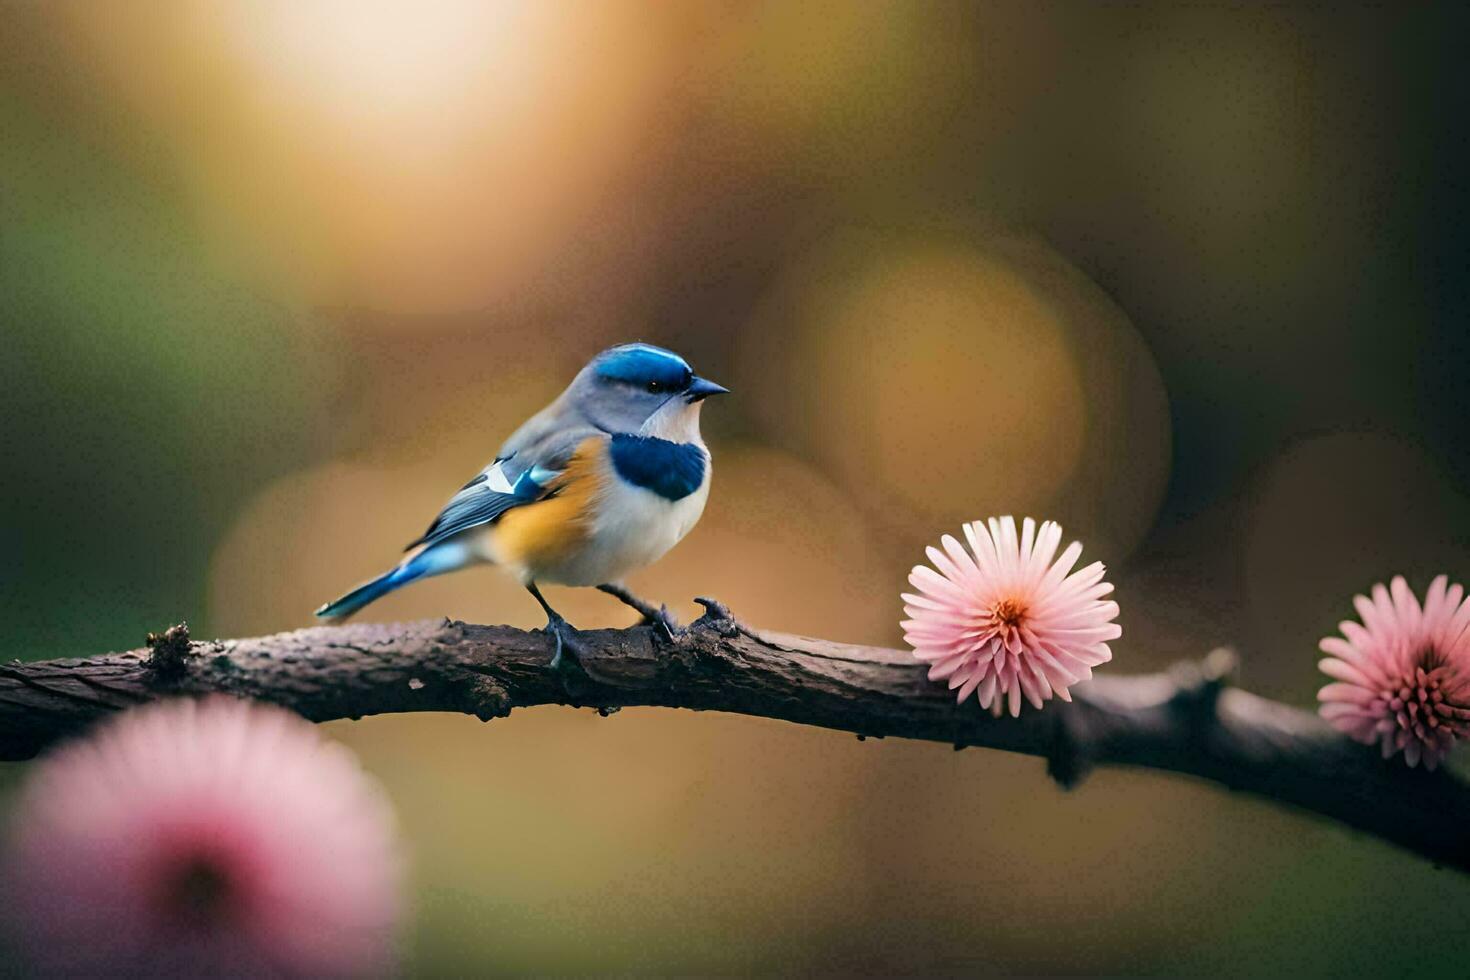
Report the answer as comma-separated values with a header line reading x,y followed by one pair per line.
x,y
519,476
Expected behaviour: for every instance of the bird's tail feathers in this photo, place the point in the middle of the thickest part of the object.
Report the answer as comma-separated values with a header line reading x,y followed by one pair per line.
x,y
435,560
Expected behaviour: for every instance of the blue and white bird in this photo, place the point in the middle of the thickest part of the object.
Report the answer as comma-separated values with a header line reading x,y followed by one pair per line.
x,y
601,482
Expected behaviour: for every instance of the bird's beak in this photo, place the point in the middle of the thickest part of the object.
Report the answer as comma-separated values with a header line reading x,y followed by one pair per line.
x,y
701,388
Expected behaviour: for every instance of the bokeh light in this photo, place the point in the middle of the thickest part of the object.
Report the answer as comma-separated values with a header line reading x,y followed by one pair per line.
x,y
402,156
940,382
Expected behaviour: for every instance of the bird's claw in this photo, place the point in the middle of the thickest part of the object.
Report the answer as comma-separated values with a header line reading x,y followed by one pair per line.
x,y
566,656
663,622
577,681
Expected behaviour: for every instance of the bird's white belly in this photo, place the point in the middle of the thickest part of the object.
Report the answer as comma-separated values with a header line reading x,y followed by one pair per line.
x,y
633,527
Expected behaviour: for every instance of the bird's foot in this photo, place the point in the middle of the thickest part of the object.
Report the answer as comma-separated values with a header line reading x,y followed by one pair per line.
x,y
578,682
663,623
566,658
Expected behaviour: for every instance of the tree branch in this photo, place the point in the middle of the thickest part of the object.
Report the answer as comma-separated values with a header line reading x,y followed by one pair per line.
x,y
1186,720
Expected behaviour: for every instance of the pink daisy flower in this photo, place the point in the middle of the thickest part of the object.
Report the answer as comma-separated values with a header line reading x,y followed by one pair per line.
x,y
1004,621
204,838
1403,674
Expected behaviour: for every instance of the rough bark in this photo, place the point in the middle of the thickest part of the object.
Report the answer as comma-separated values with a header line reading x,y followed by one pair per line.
x,y
1187,720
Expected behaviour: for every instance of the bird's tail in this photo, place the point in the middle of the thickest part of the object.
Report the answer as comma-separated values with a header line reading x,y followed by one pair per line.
x,y
434,560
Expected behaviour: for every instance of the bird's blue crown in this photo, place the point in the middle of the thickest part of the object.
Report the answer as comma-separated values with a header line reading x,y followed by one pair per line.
x,y
642,364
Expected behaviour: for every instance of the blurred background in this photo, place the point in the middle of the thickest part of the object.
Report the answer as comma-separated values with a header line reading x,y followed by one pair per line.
x,y
276,278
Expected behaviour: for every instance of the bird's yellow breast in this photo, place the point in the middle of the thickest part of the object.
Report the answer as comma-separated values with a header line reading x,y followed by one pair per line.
x,y
550,532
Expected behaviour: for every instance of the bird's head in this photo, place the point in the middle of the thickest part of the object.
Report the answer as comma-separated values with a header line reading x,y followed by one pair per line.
x,y
639,388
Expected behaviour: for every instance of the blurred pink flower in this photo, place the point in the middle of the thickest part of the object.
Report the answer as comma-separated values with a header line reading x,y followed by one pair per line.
x,y
1009,622
209,838
1403,675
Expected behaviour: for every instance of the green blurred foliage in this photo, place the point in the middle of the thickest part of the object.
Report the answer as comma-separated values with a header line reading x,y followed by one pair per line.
x,y
145,391
275,278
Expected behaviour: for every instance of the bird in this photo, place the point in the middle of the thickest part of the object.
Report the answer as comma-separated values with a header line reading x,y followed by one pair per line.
x,y
599,483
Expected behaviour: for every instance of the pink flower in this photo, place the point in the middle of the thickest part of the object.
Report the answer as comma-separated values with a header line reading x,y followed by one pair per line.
x,y
204,838
1403,675
1009,622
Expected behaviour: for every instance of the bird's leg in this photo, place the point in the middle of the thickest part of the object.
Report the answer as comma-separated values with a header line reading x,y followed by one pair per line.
x,y
566,654
659,617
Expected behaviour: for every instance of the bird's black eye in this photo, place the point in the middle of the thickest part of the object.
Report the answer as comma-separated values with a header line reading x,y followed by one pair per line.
x,y
654,387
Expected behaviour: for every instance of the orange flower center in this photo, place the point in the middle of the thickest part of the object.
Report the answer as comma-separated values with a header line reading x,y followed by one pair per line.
x,y
1009,613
